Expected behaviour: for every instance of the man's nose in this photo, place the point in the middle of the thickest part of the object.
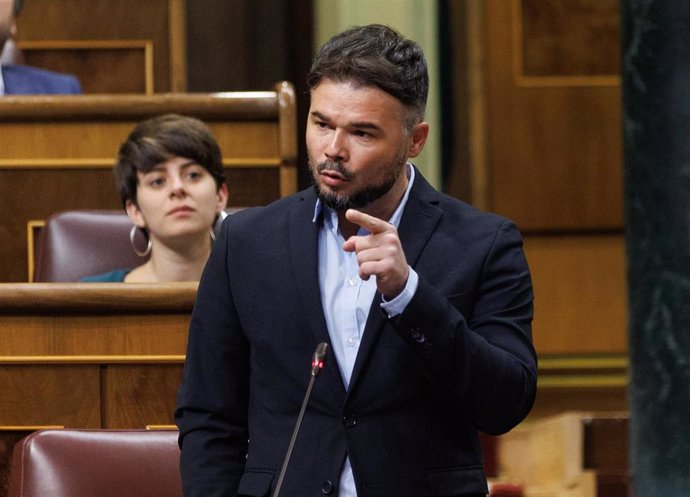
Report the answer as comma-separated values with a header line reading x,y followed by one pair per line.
x,y
337,149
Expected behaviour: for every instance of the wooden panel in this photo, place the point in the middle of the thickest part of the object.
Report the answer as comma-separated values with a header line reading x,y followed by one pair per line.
x,y
546,152
252,186
66,395
92,322
581,382
86,59
554,143
556,400
70,335
56,153
580,293
160,22
93,355
140,396
606,446
569,38
89,299
48,330
8,438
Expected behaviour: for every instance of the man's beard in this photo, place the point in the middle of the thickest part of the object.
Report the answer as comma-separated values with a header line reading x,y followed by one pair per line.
x,y
361,198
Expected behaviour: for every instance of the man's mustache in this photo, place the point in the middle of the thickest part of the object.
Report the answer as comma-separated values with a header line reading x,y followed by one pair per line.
x,y
335,166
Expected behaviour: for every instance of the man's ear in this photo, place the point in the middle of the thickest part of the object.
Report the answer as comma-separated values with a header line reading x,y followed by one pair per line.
x,y
418,137
135,214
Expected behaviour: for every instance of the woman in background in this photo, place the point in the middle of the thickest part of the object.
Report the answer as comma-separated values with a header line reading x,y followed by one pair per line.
x,y
171,181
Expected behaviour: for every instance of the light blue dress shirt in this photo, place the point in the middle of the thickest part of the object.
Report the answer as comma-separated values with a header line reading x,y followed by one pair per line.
x,y
347,298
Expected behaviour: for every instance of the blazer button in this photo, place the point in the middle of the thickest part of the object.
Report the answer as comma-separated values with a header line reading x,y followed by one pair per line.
x,y
327,487
349,421
418,335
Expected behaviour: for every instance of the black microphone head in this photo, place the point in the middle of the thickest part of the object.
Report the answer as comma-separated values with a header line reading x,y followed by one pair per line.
x,y
318,360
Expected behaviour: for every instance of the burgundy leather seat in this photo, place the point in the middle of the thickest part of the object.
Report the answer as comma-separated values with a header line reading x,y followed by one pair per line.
x,y
74,244
96,463
111,463
79,243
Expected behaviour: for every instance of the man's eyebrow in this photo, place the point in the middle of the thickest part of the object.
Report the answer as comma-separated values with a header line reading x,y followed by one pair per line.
x,y
318,115
365,125
356,124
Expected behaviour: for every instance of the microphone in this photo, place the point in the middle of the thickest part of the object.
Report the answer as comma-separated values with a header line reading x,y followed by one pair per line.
x,y
318,361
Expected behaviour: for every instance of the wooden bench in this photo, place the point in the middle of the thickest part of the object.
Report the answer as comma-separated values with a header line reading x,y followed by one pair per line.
x,y
57,153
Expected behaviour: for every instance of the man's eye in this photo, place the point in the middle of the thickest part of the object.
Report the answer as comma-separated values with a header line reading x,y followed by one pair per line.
x,y
157,182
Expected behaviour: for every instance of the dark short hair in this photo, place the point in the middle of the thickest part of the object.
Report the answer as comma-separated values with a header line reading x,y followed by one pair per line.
x,y
160,139
375,55
17,7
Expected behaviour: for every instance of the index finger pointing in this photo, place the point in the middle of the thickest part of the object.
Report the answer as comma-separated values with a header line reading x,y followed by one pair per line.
x,y
370,223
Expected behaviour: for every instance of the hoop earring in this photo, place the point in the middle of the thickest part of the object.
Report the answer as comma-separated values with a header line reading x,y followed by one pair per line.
x,y
149,244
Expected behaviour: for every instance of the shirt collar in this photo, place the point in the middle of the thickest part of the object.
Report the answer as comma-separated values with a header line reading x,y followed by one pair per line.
x,y
2,83
330,214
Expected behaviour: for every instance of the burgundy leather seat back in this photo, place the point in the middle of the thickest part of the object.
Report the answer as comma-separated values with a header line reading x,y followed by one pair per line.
x,y
74,244
96,463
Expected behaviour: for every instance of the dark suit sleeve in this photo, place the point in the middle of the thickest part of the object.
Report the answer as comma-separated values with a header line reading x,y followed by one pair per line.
x,y
27,80
483,362
212,401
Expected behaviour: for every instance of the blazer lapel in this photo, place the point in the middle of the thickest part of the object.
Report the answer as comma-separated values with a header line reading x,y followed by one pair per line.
x,y
418,222
303,239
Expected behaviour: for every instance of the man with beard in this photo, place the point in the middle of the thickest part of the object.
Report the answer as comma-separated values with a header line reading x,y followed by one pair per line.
x,y
26,80
425,301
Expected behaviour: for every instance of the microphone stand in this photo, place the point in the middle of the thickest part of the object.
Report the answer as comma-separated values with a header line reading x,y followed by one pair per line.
x,y
317,363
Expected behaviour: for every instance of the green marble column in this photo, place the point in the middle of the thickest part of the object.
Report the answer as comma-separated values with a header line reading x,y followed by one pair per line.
x,y
656,123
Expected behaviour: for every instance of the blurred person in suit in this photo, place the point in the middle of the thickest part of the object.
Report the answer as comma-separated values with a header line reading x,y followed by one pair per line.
x,y
425,301
17,79
170,178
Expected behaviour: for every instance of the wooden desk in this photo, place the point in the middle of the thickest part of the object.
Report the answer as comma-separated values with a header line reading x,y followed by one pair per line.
x,y
89,355
98,355
110,355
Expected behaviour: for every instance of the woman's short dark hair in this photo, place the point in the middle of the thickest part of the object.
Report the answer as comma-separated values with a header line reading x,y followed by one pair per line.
x,y
376,55
160,139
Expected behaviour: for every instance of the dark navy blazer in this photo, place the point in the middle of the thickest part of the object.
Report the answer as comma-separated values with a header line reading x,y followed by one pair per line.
x,y
458,360
26,80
